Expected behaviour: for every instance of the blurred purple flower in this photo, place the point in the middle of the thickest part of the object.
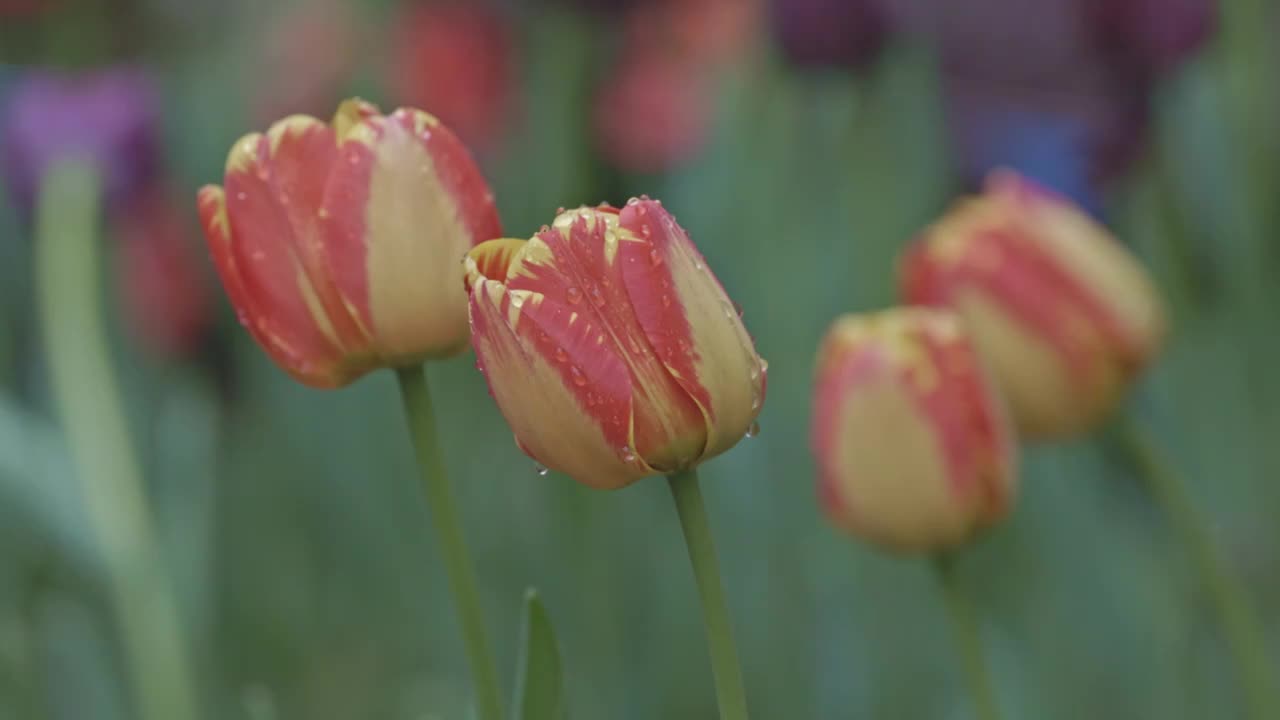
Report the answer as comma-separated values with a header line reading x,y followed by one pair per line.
x,y
831,33
110,117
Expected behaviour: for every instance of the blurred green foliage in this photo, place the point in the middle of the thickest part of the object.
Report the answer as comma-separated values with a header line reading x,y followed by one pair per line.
x,y
296,531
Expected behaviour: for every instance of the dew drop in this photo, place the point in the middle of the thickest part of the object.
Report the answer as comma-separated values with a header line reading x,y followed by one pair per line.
x,y
635,346
543,229
633,202
353,158
517,300
425,135
755,402
597,297
666,301
242,318
561,355
578,378
642,211
738,309
697,264
241,196
574,295
591,399
655,257
628,455
645,198
754,430
540,469
764,365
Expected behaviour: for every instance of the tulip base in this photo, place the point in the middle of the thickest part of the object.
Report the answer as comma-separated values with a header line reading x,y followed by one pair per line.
x,y
416,395
1245,638
968,639
730,692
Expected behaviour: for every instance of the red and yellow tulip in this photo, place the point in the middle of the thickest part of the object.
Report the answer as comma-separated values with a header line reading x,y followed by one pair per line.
x,y
911,441
338,244
1064,314
610,347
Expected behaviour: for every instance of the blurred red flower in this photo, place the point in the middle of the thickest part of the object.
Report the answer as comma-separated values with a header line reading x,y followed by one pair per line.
x,y
652,114
159,275
455,60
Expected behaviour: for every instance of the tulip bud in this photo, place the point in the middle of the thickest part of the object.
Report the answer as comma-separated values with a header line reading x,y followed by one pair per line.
x,y
1064,315
911,441
609,346
338,244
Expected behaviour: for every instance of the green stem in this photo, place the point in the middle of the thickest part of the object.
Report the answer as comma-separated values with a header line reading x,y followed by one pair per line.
x,y
730,694
968,639
1239,618
416,395
92,413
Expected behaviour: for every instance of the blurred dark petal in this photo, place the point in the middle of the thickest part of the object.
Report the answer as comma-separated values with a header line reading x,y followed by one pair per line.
x,y
455,60
111,116
831,33
1156,36
23,8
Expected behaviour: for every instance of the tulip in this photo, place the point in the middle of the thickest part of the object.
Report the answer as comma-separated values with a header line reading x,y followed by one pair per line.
x,y
610,347
910,436
337,244
1064,314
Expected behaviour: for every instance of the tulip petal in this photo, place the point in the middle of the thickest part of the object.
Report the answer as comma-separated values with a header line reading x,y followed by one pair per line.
x,y
564,392
691,323
269,256
576,264
404,202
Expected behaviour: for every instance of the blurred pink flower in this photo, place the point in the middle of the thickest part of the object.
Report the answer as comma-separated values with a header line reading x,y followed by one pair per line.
x,y
455,60
160,275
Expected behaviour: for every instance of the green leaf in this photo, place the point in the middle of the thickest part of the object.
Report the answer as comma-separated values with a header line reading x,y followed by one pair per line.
x,y
539,691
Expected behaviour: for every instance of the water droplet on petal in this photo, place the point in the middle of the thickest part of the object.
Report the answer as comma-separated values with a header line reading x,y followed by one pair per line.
x,y
242,317
642,211
755,401
573,295
353,158
628,456
517,300
633,202
561,355
655,257
644,197
697,264
425,135
597,297
635,346
738,309
754,430
764,365
540,469
241,196
578,378
666,301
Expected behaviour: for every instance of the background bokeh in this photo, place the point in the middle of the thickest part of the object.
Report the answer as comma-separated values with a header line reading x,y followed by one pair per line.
x,y
801,143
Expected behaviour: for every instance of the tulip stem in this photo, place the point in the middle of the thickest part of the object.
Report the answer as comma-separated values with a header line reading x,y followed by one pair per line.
x,y
416,395
730,693
1239,618
112,487
968,638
